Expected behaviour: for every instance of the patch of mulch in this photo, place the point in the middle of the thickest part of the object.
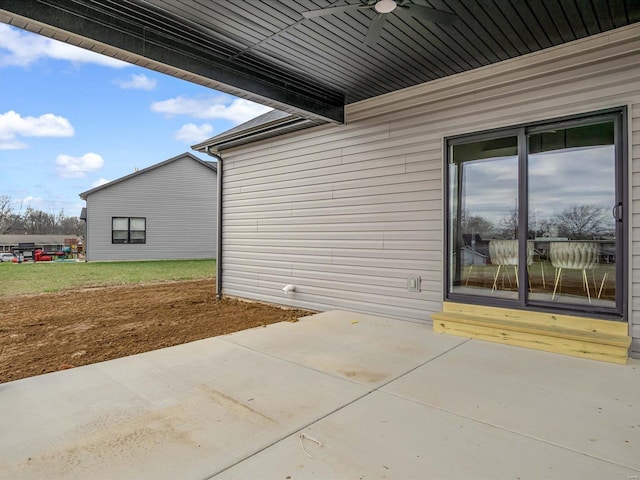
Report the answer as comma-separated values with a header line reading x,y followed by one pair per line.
x,y
48,332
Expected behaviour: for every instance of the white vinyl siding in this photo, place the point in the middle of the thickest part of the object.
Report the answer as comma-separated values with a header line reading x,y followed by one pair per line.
x,y
348,213
176,203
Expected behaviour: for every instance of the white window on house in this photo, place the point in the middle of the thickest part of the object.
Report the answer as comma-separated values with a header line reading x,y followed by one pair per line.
x,y
128,230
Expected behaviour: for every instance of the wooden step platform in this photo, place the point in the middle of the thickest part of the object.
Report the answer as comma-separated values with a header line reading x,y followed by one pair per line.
x,y
570,335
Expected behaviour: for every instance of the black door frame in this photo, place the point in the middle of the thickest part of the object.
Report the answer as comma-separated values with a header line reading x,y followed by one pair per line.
x,y
619,118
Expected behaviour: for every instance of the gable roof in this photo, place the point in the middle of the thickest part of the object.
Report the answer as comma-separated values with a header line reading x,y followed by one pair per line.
x,y
211,165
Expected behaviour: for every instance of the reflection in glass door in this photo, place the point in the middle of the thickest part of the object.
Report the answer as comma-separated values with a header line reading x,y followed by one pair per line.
x,y
484,229
535,216
571,180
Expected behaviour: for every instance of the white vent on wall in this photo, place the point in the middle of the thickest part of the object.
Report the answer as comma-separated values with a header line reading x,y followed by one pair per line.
x,y
414,284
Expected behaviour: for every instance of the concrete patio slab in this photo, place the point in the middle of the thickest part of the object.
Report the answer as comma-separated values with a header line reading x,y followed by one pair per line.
x,y
387,399
385,436
583,405
182,412
363,348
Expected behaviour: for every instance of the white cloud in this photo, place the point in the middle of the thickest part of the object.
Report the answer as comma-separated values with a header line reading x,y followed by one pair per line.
x,y
191,133
137,82
35,202
30,200
236,110
13,125
99,182
11,144
78,167
21,48
556,180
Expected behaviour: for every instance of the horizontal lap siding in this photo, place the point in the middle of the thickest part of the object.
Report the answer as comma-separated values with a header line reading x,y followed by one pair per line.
x,y
345,227
179,202
347,213
634,141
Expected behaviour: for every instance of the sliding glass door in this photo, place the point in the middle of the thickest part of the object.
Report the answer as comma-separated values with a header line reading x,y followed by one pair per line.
x,y
535,215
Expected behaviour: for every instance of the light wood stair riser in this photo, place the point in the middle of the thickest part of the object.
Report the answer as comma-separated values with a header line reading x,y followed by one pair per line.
x,y
591,325
546,332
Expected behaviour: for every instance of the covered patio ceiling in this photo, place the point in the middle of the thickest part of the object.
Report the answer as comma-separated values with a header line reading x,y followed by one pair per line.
x,y
313,64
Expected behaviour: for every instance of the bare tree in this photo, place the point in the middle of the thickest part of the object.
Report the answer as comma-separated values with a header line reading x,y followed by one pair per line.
x,y
10,220
70,225
475,224
36,221
510,223
582,222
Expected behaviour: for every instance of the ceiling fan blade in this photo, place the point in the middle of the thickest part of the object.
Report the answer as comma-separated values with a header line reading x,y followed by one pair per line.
x,y
330,11
375,29
427,13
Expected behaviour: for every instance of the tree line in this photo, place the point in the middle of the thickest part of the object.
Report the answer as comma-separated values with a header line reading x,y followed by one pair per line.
x,y
32,221
577,222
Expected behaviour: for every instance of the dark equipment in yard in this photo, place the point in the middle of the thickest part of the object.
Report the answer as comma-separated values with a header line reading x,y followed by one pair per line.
x,y
26,251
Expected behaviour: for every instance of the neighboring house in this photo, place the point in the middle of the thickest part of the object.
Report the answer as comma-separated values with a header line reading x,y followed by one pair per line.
x,y
49,243
166,211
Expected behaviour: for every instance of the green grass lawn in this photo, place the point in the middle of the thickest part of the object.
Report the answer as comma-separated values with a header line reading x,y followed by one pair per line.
x,y
53,276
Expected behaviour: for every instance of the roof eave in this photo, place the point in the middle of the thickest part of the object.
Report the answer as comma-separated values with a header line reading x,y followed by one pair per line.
x,y
262,131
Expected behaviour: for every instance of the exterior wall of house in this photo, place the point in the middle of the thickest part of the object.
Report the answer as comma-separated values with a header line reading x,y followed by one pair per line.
x,y
179,202
348,213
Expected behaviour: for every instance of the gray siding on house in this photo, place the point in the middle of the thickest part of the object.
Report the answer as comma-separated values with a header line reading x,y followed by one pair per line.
x,y
179,202
347,213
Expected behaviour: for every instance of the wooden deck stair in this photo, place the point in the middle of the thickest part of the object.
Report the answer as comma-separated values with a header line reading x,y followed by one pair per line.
x,y
570,335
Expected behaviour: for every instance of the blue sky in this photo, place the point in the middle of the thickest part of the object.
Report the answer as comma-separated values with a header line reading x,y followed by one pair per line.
x,y
71,119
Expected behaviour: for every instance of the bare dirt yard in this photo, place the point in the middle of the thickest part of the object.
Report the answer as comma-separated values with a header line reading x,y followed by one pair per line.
x,y
49,332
